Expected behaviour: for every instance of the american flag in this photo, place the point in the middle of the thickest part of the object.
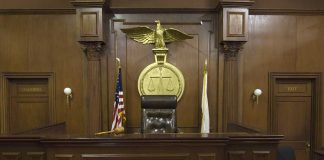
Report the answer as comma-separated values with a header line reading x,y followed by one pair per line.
x,y
119,110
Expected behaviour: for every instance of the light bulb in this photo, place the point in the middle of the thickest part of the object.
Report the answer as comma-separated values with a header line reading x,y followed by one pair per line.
x,y
257,92
67,91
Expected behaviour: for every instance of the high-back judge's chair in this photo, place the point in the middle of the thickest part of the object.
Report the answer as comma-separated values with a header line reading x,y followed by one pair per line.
x,y
159,113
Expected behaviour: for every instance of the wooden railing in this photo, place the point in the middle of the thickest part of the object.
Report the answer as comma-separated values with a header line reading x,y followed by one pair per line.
x,y
55,129
234,127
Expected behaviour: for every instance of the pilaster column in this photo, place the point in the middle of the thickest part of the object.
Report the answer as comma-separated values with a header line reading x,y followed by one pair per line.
x,y
89,18
93,51
233,23
230,110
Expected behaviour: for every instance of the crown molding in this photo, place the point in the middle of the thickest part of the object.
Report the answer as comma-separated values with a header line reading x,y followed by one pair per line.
x,y
38,11
88,3
260,11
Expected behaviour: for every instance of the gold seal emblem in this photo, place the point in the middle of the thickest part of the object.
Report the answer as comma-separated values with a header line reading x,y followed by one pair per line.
x,y
159,78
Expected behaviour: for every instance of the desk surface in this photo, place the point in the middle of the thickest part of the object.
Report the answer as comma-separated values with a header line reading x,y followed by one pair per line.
x,y
212,137
194,146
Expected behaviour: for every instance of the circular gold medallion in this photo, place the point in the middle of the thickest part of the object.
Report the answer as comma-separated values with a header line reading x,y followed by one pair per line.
x,y
161,79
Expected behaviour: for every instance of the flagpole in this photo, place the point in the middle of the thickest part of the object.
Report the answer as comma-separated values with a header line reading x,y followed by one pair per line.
x,y
204,104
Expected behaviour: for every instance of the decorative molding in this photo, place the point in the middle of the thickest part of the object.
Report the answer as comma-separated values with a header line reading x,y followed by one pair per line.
x,y
90,24
207,156
11,155
234,4
315,102
261,155
175,156
5,78
36,155
231,49
93,50
88,3
234,24
263,11
162,10
233,155
230,107
64,156
38,11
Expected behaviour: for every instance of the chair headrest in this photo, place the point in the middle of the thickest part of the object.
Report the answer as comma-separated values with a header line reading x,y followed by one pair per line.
x,y
159,101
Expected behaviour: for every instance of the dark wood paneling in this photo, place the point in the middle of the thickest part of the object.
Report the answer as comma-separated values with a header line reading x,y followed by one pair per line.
x,y
163,4
261,155
271,47
188,56
135,156
237,155
310,51
63,157
290,4
139,146
210,4
47,43
36,155
295,115
34,4
29,105
11,155
207,156
278,43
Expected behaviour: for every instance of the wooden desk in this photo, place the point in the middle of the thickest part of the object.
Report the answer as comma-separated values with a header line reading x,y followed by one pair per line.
x,y
142,146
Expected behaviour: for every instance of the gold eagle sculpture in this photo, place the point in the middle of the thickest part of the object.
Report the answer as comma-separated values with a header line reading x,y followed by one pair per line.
x,y
158,36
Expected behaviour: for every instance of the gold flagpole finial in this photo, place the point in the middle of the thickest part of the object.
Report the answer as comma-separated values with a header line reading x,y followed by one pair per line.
x,y
205,66
118,62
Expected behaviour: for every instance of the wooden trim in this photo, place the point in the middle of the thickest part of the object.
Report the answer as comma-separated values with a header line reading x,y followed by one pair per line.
x,y
6,76
260,11
88,3
162,10
38,11
252,11
315,110
234,4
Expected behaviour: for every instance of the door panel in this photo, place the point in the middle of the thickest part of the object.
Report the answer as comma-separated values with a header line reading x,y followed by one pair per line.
x,y
294,117
292,105
28,104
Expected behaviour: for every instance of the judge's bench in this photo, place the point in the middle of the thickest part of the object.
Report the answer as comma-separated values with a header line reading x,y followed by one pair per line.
x,y
169,146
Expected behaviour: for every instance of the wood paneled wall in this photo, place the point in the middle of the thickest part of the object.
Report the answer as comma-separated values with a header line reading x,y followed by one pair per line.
x,y
278,43
188,56
47,43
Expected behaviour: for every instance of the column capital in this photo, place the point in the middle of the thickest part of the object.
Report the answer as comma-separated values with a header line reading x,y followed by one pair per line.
x,y
93,50
231,49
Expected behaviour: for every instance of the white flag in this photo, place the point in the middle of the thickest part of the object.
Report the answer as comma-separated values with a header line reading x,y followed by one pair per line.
x,y
204,104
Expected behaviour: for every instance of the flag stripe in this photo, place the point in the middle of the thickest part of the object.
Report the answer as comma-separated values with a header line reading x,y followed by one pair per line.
x,y
119,111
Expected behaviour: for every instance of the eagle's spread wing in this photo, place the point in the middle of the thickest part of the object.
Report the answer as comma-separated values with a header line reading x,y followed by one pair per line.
x,y
143,35
172,34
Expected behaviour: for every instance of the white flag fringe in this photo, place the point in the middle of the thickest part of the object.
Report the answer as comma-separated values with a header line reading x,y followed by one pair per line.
x,y
204,104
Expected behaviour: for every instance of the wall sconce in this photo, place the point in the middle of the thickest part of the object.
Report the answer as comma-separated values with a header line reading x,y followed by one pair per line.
x,y
257,92
68,93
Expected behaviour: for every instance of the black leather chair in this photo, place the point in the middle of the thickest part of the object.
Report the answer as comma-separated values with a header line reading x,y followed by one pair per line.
x,y
285,153
159,114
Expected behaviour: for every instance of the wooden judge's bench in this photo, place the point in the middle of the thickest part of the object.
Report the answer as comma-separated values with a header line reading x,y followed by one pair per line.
x,y
186,146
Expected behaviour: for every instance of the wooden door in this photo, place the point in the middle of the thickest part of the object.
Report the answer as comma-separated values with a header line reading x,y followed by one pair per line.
x,y
292,105
28,104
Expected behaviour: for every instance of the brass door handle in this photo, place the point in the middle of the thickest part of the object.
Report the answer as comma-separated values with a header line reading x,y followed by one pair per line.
x,y
308,145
